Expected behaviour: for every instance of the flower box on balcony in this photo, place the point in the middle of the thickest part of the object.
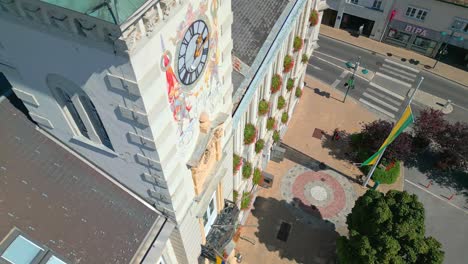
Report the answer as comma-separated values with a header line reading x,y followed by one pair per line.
x,y
276,82
257,176
237,163
271,123
247,170
288,63
298,92
259,145
290,84
250,133
281,102
304,59
263,108
245,200
313,18
276,136
297,44
284,118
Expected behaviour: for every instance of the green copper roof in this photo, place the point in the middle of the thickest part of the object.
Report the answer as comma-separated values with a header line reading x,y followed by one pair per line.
x,y
113,11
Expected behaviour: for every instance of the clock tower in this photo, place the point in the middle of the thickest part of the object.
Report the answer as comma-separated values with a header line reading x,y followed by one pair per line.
x,y
142,90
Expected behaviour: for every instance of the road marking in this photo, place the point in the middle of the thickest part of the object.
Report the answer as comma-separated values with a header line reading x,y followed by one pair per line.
x,y
397,74
343,74
330,56
377,100
376,107
399,70
387,91
339,67
315,67
395,102
393,79
466,109
435,195
335,83
402,66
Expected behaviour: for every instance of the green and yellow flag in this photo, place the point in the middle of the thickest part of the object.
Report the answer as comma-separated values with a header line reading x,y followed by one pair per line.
x,y
405,120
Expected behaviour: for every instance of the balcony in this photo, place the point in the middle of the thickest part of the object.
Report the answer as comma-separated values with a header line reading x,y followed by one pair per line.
x,y
221,233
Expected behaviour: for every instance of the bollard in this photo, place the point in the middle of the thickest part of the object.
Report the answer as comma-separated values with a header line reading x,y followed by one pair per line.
x,y
429,184
447,104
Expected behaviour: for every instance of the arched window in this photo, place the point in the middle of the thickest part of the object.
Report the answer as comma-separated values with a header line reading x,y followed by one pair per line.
x,y
79,110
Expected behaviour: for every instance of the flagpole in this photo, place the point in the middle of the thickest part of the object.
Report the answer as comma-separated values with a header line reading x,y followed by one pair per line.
x,y
371,172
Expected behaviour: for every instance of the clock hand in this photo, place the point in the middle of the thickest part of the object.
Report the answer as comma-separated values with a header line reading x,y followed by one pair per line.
x,y
199,48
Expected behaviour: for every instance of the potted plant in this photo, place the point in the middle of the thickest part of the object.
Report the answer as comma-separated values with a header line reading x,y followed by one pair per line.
x,y
313,18
271,123
257,176
235,195
304,59
297,44
290,84
259,145
247,170
281,102
288,63
276,136
284,118
275,83
298,92
263,107
245,200
250,133
237,160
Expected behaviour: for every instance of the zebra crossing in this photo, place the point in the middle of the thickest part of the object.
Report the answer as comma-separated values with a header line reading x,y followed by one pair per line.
x,y
387,90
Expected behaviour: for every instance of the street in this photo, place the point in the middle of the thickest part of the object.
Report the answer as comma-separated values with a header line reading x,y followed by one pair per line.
x,y
384,91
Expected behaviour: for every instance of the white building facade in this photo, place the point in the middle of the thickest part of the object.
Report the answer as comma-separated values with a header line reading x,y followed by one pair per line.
x,y
140,88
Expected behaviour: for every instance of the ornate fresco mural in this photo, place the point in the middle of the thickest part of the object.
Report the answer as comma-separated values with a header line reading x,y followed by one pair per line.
x,y
187,102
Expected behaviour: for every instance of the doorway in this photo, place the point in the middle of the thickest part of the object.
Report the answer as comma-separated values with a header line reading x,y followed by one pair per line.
x,y
329,17
352,23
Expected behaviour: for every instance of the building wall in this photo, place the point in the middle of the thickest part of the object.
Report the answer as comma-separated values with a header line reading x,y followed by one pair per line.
x,y
296,25
147,117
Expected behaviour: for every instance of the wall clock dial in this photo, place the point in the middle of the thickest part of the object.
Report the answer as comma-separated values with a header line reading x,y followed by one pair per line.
x,y
193,52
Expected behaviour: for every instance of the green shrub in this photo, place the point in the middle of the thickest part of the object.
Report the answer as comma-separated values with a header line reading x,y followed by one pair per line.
x,y
275,83
247,170
257,176
281,102
276,136
304,59
290,84
270,123
259,145
297,44
313,18
235,195
383,176
245,201
284,118
298,92
250,132
263,107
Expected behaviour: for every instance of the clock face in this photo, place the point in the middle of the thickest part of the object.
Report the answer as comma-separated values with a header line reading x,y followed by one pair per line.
x,y
193,52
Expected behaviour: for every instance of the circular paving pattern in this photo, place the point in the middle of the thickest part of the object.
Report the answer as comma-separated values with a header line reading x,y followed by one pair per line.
x,y
324,194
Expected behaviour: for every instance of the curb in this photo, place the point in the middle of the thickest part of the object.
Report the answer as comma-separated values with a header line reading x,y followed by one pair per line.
x,y
385,55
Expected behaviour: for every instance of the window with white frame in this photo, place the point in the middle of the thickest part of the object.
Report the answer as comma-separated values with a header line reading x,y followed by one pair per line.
x,y
18,249
377,4
416,12
79,110
210,215
460,24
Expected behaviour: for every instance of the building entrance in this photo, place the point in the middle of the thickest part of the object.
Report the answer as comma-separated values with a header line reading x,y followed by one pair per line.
x,y
329,17
352,23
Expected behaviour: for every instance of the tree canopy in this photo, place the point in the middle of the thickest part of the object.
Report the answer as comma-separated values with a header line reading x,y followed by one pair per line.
x,y
388,229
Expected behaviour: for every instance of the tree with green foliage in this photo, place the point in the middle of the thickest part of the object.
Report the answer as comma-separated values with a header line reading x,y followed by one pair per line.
x,y
388,229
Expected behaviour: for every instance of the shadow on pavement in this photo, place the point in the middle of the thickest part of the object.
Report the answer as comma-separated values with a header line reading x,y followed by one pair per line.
x,y
304,239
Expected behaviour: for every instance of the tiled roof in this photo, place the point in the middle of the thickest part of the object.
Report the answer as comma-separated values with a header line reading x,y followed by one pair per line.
x,y
253,21
59,200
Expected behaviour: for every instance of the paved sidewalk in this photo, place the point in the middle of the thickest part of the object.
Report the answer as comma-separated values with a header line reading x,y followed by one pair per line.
x,y
442,69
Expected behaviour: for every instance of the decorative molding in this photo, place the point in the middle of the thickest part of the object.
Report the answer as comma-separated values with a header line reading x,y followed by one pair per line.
x,y
142,141
136,116
123,84
41,120
26,97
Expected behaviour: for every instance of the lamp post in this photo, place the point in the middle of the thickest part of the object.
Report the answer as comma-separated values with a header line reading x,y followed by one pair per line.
x,y
443,51
350,83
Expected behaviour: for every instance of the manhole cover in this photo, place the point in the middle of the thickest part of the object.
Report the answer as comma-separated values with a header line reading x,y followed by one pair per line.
x,y
283,232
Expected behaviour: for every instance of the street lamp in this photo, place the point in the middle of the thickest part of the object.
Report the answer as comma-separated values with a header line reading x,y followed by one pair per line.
x,y
444,51
350,83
